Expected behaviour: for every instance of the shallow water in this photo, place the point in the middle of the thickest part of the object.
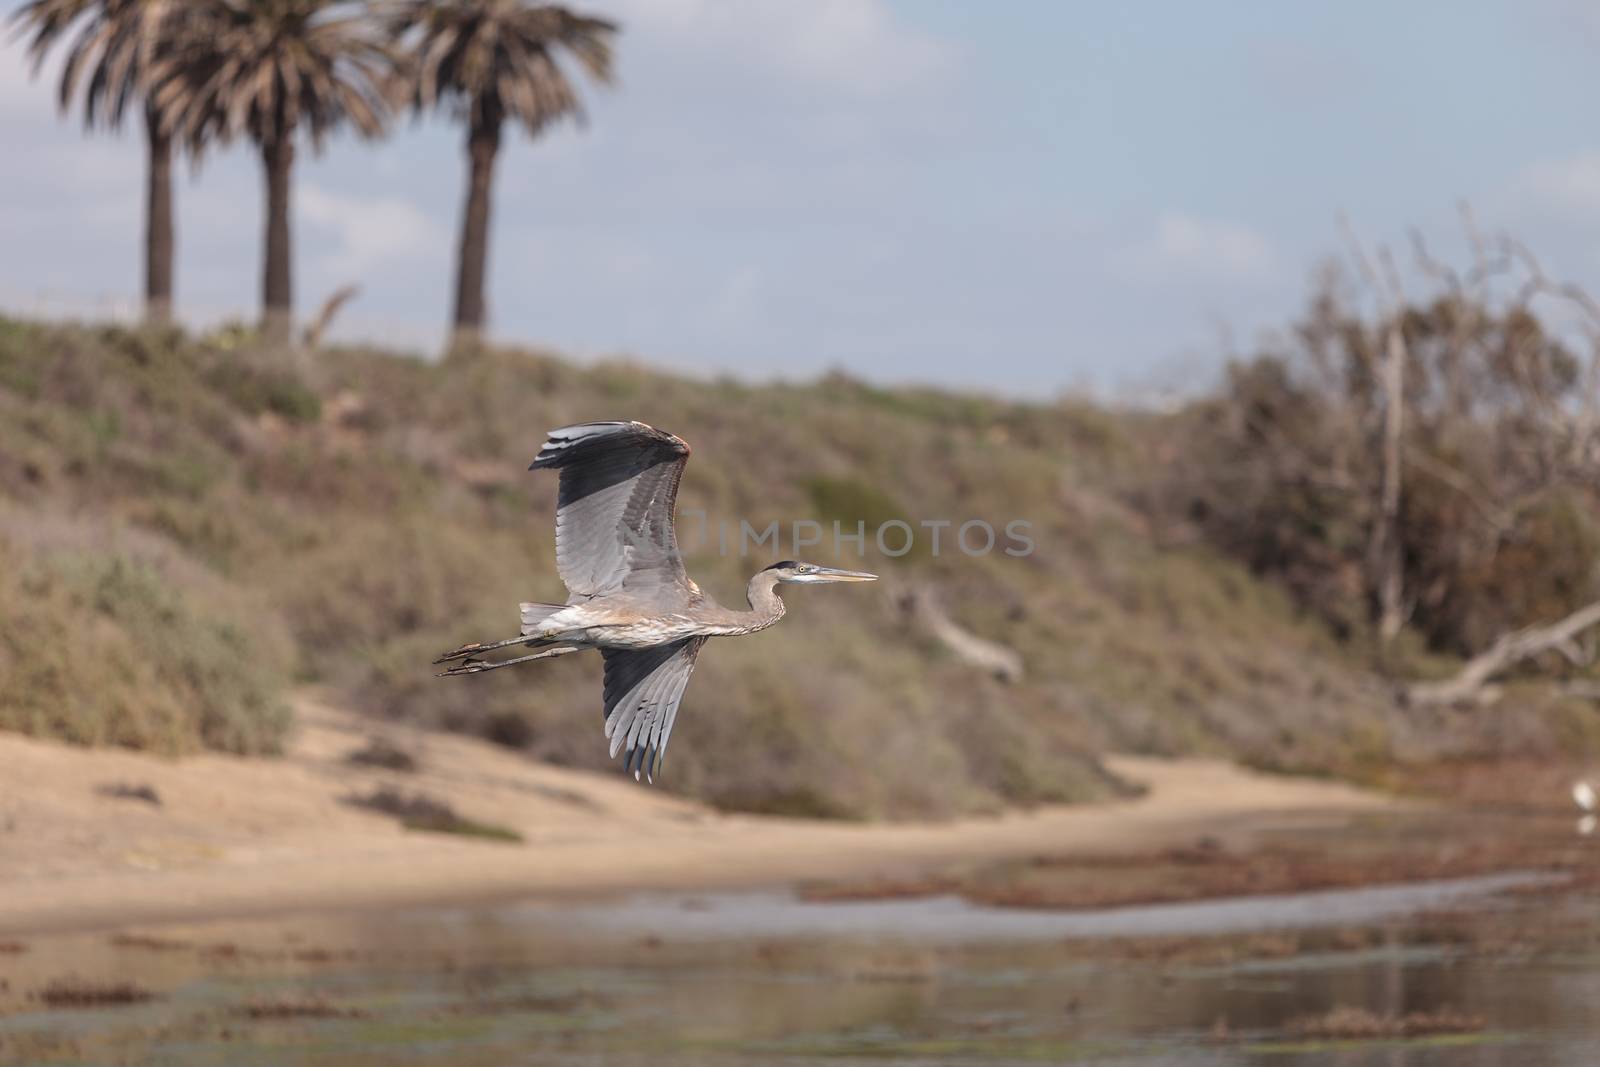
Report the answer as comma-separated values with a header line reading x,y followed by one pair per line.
x,y
765,978
952,919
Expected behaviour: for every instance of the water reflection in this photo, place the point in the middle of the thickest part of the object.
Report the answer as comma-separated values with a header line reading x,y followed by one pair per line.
x,y
764,979
947,918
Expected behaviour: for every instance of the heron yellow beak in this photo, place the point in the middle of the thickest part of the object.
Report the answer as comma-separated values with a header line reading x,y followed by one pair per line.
x,y
834,574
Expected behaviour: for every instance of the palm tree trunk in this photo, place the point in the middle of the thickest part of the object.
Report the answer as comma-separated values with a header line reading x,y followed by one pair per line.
x,y
277,295
158,238
483,144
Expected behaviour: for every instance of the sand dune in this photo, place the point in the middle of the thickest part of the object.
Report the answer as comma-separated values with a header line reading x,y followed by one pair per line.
x,y
236,837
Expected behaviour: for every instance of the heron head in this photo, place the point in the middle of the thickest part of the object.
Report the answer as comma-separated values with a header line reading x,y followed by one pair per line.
x,y
793,572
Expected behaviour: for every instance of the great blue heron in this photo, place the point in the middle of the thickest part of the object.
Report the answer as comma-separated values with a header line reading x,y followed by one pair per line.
x,y
617,551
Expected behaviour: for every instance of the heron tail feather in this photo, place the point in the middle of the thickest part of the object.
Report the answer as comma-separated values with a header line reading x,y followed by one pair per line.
x,y
534,615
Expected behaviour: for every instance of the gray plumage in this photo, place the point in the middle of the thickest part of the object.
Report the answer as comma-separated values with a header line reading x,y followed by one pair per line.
x,y
628,593
614,512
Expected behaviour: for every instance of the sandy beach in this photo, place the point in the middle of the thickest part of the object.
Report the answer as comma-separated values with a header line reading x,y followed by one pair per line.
x,y
238,837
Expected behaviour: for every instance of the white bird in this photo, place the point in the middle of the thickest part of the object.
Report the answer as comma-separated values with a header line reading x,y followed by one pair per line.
x,y
1584,794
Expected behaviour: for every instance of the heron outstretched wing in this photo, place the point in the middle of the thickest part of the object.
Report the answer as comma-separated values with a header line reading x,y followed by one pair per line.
x,y
642,692
614,510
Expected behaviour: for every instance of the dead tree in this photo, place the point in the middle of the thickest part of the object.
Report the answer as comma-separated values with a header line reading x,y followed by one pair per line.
x,y
1386,560
1391,609
330,308
1426,459
922,605
1471,684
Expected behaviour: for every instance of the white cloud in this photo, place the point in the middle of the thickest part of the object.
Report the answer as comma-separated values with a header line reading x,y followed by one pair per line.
x,y
1186,246
1567,187
370,232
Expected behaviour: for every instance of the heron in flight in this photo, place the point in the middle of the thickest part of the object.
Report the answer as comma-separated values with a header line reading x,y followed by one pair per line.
x,y
617,551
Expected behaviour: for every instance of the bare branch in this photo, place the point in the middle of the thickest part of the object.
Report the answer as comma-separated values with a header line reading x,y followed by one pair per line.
x,y
1497,517
325,317
923,606
1511,649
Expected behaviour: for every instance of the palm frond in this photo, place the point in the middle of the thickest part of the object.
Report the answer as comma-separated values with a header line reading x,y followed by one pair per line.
x,y
115,46
264,69
493,60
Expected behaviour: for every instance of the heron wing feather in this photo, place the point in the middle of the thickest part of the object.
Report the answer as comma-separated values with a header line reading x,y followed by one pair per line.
x,y
615,525
643,688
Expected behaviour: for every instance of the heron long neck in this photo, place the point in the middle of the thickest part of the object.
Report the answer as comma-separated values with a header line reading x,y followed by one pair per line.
x,y
766,606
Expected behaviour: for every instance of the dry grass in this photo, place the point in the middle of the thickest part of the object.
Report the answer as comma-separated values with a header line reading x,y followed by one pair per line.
x,y
147,943
384,753
1205,874
145,794
418,811
1364,852
1345,1023
279,1010
185,531
75,993
110,647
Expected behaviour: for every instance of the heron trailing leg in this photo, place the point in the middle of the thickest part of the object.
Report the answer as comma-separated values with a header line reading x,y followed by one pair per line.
x,y
477,666
478,648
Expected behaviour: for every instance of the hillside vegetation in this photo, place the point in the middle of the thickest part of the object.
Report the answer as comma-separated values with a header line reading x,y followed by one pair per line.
x,y
189,527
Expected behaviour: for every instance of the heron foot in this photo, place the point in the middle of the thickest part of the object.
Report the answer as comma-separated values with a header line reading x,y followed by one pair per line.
x,y
475,648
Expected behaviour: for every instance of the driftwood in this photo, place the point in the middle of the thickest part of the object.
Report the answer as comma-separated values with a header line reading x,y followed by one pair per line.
x,y
1471,685
330,308
923,607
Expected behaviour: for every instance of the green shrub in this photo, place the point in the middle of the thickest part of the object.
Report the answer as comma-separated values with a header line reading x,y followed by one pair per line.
x,y
100,648
254,389
242,557
849,501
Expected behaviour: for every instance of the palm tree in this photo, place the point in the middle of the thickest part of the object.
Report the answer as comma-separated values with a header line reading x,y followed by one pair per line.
x,y
110,60
265,70
495,60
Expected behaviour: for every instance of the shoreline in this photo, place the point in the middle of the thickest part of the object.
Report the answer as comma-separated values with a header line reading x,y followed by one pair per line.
x,y
258,838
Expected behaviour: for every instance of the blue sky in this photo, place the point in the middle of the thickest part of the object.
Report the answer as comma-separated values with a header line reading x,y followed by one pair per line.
x,y
1026,196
